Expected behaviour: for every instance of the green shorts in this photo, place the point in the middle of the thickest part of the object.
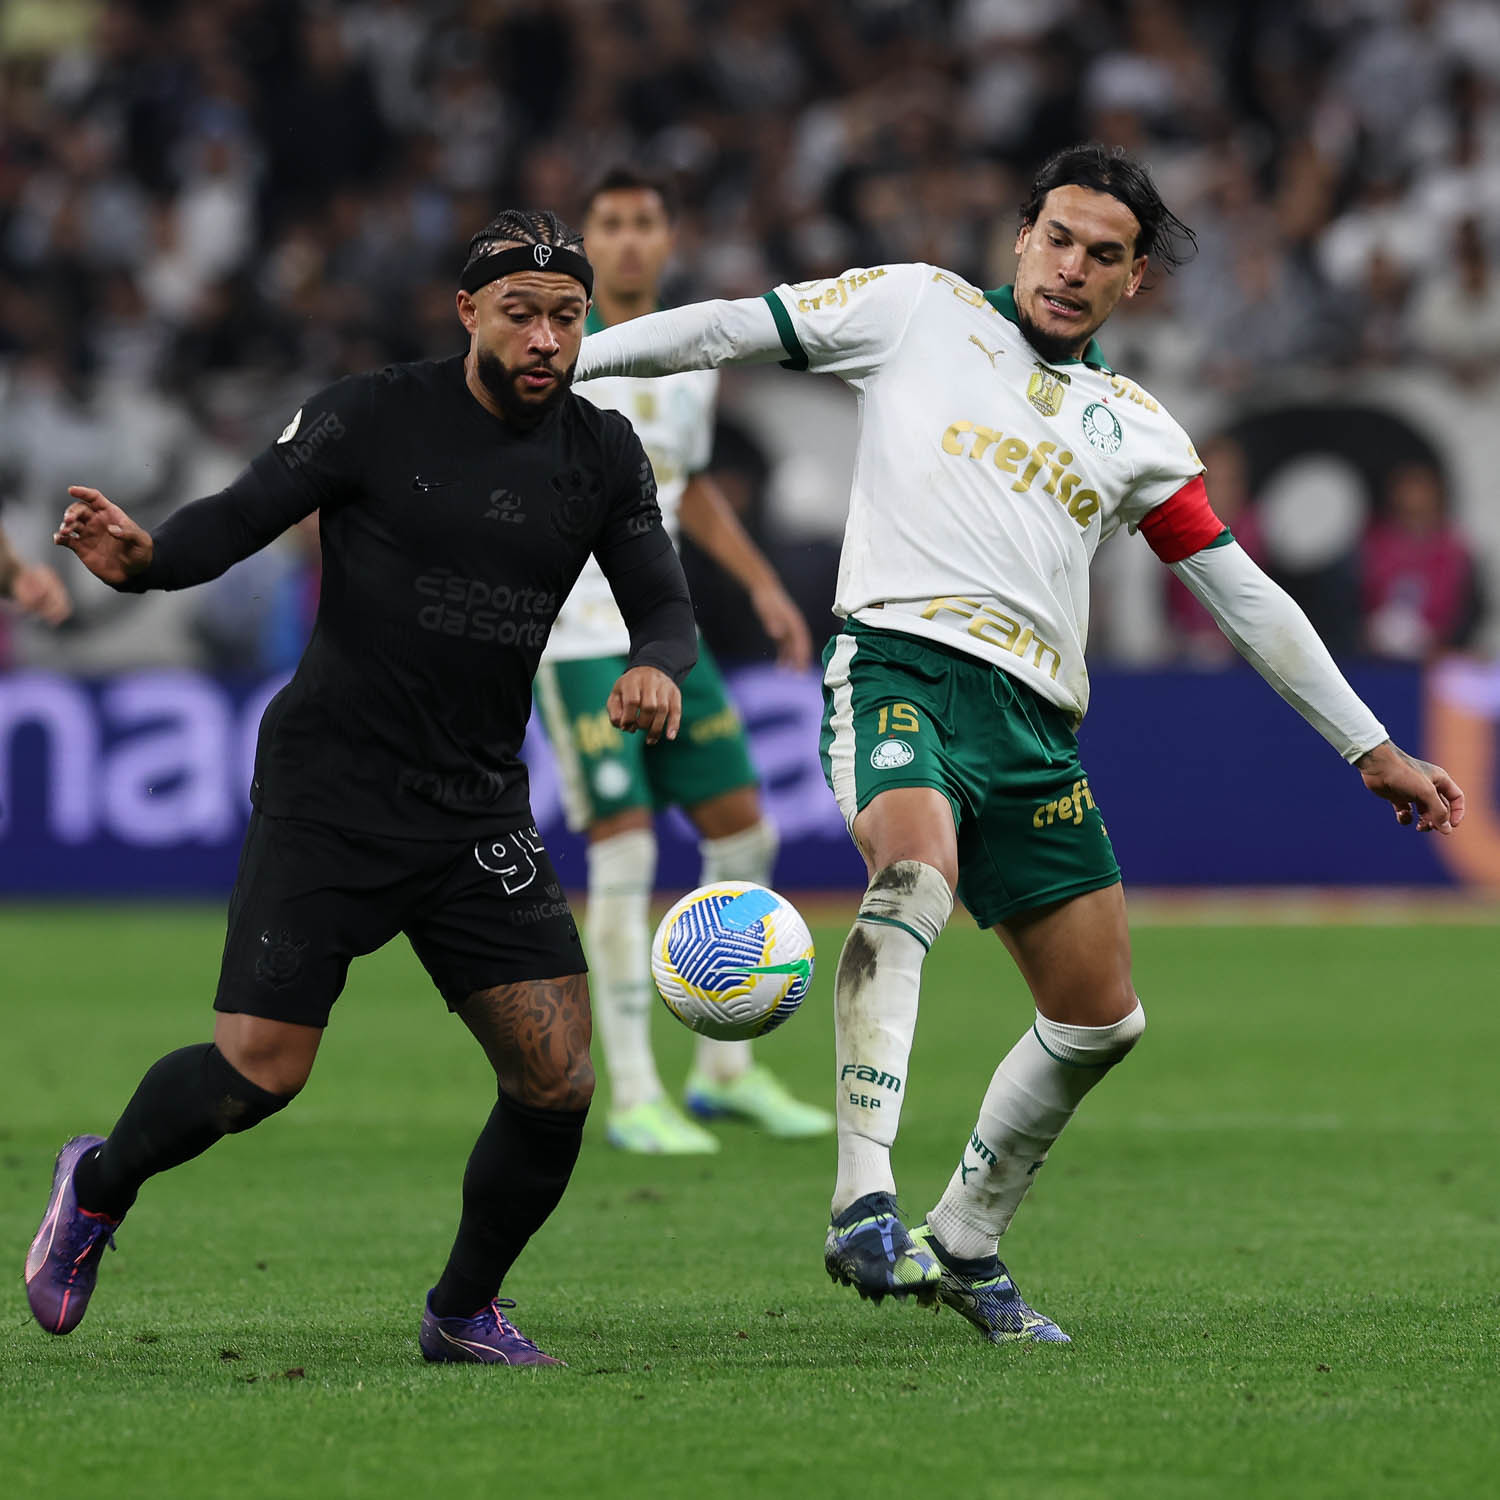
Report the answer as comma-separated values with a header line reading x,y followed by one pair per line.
x,y
604,772
903,711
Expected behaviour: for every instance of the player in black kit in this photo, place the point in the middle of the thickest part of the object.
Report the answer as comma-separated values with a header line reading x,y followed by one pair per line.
x,y
458,501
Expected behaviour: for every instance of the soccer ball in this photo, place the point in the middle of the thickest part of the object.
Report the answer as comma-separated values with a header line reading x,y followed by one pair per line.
x,y
732,960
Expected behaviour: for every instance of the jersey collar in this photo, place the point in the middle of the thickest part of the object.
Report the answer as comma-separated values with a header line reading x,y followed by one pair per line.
x,y
1003,300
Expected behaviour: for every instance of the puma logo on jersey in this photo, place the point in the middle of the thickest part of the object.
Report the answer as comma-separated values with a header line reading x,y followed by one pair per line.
x,y
990,354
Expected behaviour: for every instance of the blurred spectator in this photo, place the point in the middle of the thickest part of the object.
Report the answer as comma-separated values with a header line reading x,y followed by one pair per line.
x,y
271,183
1419,583
218,206
1455,319
30,588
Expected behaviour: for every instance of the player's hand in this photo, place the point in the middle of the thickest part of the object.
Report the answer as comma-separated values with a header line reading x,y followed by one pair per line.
x,y
38,591
648,700
1421,793
783,622
102,537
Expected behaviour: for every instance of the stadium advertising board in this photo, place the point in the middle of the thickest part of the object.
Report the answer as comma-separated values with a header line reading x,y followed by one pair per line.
x,y
137,785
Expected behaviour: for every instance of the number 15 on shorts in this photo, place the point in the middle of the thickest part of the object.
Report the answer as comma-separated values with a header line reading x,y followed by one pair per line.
x,y
897,718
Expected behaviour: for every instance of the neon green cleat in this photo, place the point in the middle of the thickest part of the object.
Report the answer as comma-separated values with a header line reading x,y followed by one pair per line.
x,y
985,1295
659,1128
760,1098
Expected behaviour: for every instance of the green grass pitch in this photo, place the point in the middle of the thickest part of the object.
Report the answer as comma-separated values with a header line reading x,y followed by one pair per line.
x,y
1274,1236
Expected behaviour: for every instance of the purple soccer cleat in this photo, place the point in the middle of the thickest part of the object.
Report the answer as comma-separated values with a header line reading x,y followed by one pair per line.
x,y
63,1261
488,1338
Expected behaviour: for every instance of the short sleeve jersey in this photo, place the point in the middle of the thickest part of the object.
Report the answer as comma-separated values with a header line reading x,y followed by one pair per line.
x,y
985,477
674,419
449,541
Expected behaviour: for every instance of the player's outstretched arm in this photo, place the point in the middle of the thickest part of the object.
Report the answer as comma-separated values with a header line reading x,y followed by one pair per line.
x,y
708,518
103,538
1268,629
315,464
700,336
194,544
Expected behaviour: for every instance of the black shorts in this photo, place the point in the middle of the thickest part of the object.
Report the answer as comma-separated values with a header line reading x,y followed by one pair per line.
x,y
309,897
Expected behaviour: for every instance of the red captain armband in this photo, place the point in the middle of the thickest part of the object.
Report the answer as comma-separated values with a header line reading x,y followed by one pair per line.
x,y
1183,524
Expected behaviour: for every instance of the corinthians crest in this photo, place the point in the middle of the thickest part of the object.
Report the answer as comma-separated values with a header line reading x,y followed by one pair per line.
x,y
1046,389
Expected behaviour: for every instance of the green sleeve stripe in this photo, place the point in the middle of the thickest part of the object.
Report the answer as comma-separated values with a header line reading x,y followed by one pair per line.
x,y
864,916
796,355
1223,539
1067,1062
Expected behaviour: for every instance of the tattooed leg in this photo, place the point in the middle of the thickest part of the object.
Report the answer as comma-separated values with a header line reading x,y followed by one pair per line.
x,y
536,1036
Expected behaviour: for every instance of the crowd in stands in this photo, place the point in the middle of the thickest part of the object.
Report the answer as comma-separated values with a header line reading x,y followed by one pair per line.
x,y
210,207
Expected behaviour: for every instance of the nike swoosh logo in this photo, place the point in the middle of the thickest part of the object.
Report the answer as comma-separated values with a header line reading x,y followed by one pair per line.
x,y
423,485
801,967
41,1246
485,1351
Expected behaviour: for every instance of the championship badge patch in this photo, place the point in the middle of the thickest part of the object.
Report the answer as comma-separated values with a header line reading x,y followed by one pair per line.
x,y
1046,390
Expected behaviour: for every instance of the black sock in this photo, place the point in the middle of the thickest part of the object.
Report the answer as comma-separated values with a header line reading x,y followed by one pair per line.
x,y
186,1101
516,1175
983,1266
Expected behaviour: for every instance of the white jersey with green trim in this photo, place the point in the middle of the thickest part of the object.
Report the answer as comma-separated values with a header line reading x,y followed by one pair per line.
x,y
674,419
985,477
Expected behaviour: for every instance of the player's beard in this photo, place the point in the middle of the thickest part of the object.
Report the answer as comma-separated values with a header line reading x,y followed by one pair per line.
x,y
499,379
1054,348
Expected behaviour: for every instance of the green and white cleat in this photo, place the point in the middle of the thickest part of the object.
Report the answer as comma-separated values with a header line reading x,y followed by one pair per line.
x,y
659,1128
759,1098
870,1249
985,1294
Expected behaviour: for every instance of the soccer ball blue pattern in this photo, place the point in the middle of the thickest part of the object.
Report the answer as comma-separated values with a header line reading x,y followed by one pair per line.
x,y
732,960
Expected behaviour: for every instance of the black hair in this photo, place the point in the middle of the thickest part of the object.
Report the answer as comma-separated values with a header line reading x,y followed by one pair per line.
x,y
523,226
627,179
1109,169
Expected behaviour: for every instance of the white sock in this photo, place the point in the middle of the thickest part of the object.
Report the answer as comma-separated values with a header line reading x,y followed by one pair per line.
x,y
875,1018
1031,1097
749,854
622,872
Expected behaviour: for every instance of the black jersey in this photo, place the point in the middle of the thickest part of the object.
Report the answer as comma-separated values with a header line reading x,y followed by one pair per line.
x,y
450,540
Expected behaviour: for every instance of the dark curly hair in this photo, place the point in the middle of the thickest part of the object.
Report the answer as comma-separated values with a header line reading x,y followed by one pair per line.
x,y
523,226
1109,169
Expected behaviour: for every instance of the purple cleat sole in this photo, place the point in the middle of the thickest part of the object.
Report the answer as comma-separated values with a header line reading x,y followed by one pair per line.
x,y
63,1262
488,1338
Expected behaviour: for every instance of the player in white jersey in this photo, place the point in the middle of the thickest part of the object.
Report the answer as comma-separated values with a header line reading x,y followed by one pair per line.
x,y
996,450
613,782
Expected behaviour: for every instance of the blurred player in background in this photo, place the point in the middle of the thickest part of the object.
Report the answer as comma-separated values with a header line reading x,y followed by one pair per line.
x,y
458,500
34,588
996,451
613,784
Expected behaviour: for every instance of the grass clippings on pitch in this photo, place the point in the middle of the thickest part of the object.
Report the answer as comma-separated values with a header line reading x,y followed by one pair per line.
x,y
1274,1235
